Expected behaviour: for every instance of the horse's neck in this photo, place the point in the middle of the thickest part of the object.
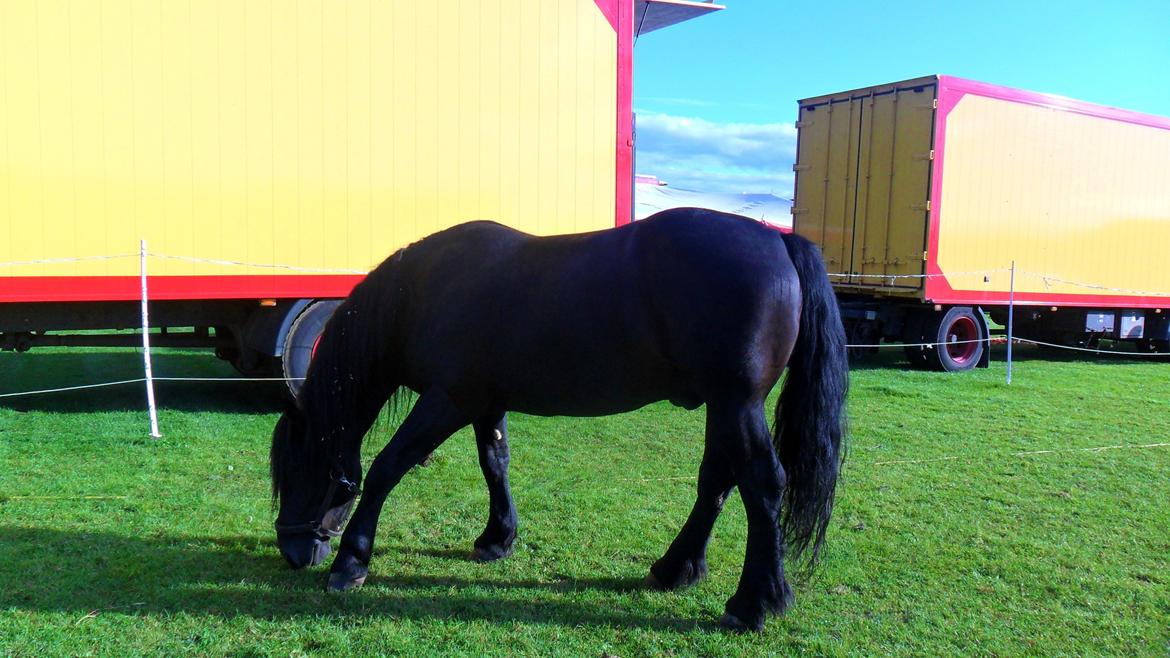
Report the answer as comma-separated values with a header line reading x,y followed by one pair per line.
x,y
351,378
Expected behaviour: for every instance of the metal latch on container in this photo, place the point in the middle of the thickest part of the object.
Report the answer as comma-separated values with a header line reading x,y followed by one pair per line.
x,y
929,155
921,206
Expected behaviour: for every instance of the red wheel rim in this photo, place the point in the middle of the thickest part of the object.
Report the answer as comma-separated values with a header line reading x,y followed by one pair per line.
x,y
313,352
960,339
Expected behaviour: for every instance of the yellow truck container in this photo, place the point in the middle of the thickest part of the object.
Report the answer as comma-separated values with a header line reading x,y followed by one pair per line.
x,y
926,194
270,153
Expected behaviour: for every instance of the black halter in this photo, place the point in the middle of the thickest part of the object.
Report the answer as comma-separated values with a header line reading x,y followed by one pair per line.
x,y
318,525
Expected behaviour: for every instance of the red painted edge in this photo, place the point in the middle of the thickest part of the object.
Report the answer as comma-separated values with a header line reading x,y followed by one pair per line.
x,y
946,102
624,170
1051,101
609,10
938,290
166,288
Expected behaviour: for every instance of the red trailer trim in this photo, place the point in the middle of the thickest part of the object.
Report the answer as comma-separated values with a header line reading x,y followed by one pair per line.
x,y
125,288
624,170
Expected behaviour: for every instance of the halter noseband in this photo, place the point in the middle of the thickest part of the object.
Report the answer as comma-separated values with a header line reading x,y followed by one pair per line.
x,y
317,525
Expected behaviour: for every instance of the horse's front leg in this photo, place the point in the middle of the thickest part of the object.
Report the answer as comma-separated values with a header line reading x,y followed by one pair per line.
x,y
431,421
491,438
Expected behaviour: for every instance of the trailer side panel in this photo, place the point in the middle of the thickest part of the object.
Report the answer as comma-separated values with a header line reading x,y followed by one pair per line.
x,y
1078,195
316,135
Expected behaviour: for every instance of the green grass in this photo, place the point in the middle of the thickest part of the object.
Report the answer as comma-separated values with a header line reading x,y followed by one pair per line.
x,y
945,541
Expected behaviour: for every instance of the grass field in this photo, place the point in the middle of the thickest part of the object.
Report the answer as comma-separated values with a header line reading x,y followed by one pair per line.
x,y
954,533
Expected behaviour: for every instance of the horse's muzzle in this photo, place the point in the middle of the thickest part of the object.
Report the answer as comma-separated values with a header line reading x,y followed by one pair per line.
x,y
303,549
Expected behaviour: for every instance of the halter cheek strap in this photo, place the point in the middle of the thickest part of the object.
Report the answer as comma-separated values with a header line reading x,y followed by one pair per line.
x,y
317,525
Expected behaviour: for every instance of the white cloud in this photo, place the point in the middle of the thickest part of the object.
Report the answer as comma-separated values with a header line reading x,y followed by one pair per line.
x,y
718,157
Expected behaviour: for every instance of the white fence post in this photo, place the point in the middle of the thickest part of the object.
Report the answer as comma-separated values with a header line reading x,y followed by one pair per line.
x,y
1011,315
146,344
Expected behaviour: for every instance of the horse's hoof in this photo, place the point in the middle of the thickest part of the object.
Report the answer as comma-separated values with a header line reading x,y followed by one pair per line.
x,y
676,575
730,622
339,582
490,553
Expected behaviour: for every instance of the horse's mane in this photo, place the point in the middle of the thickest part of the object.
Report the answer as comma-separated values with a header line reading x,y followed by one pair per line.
x,y
349,381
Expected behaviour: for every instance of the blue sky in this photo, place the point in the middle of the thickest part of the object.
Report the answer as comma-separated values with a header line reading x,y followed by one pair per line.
x,y
716,96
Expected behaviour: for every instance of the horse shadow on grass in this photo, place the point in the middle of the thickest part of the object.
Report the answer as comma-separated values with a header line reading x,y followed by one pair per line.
x,y
89,573
53,368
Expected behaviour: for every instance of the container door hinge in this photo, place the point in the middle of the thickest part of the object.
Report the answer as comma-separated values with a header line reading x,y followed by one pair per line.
x,y
921,206
924,256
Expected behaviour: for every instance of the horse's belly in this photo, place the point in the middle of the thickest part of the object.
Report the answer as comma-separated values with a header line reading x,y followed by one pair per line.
x,y
599,398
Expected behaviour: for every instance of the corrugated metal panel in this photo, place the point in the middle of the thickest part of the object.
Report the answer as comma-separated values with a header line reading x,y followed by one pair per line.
x,y
862,182
307,133
894,186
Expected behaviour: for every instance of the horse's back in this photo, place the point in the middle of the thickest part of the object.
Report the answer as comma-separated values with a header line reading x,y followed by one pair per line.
x,y
599,322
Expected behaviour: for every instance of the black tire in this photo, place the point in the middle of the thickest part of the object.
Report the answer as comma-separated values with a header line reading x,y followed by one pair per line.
x,y
249,363
918,357
959,340
301,341
258,365
912,334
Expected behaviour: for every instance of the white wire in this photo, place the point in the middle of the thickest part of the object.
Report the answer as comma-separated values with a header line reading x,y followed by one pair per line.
x,y
1024,453
1090,350
295,268
229,379
1049,280
918,276
53,261
74,388
991,339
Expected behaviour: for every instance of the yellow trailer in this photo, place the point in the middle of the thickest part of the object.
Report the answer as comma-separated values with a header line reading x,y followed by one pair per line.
x,y
925,194
271,152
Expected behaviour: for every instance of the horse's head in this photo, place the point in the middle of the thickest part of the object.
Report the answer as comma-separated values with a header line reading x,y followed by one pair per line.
x,y
313,494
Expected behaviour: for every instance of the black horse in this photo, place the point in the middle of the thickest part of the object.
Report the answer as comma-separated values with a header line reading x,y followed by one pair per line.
x,y
691,306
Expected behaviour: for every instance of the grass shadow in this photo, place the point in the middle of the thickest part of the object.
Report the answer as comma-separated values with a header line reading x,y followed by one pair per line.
x,y
76,572
52,368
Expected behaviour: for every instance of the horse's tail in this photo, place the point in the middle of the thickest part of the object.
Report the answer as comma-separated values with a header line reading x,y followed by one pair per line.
x,y
810,414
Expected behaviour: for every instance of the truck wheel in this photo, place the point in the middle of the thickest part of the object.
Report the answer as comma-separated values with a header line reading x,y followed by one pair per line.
x,y
301,342
913,333
958,340
918,357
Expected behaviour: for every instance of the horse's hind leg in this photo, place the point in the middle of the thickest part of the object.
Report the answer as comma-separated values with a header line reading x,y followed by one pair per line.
x,y
430,422
491,438
685,562
741,430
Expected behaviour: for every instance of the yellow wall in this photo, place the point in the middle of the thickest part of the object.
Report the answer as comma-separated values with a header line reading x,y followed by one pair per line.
x,y
1068,195
307,133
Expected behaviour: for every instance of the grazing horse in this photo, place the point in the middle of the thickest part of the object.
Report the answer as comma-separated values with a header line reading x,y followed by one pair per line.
x,y
691,306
